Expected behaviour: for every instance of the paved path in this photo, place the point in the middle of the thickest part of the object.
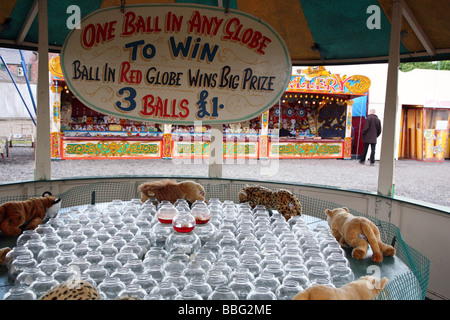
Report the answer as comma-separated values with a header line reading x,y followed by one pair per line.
x,y
425,181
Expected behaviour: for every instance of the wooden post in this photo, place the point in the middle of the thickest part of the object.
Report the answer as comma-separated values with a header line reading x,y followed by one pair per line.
x,y
387,158
216,151
42,168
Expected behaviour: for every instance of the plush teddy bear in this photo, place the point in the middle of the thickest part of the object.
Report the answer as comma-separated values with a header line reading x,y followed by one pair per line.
x,y
365,288
172,191
358,233
16,216
282,200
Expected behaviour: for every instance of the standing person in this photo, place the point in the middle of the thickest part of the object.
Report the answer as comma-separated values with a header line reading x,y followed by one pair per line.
x,y
370,133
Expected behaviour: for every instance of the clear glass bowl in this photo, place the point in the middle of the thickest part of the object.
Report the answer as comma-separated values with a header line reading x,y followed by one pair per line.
x,y
133,290
146,281
200,286
242,286
262,293
25,236
19,264
166,290
42,284
15,252
110,263
136,265
177,278
216,278
287,290
124,274
27,276
49,265
111,287
188,294
267,280
187,243
223,292
97,273
20,293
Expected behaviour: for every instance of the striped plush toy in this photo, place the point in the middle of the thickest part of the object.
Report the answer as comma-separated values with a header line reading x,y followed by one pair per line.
x,y
16,216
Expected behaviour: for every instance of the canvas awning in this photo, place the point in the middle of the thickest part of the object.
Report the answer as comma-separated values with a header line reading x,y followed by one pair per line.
x,y
316,32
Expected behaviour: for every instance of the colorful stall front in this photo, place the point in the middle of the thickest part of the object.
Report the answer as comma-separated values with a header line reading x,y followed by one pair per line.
x,y
78,132
317,107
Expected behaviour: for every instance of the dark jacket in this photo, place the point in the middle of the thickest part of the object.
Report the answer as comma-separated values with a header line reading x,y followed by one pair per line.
x,y
372,129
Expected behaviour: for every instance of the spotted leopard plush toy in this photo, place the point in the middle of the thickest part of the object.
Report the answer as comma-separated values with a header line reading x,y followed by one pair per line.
x,y
282,200
76,289
72,290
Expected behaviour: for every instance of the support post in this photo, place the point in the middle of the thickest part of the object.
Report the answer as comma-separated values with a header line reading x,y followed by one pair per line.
x,y
42,168
216,151
387,158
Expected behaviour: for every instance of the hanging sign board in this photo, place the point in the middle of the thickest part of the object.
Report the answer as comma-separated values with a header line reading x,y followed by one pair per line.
x,y
176,63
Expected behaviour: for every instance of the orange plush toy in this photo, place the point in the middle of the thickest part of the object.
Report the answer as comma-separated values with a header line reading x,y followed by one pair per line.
x,y
16,216
172,191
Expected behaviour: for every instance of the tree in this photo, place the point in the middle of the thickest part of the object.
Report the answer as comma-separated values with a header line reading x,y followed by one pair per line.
x,y
432,65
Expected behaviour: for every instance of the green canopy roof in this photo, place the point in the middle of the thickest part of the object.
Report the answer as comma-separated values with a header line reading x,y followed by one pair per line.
x,y
316,32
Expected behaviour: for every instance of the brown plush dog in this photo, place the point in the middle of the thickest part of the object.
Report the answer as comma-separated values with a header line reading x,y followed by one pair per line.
x,y
172,191
358,233
365,288
16,216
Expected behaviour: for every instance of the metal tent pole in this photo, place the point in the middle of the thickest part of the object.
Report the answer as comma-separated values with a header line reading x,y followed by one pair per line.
x,y
42,168
17,88
387,158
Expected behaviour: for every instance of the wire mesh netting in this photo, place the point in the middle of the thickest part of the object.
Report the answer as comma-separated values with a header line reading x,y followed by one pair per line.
x,y
410,284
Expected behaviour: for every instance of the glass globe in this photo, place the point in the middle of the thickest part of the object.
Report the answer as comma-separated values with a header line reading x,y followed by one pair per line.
x,y
19,264
166,290
261,293
242,287
287,290
188,294
20,293
43,284
200,286
146,281
25,236
15,252
183,239
111,287
166,213
134,291
28,275
223,292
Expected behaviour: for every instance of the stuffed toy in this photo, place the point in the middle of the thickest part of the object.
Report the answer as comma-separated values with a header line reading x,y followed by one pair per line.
x,y
3,253
172,191
358,233
73,289
76,289
16,216
282,200
365,288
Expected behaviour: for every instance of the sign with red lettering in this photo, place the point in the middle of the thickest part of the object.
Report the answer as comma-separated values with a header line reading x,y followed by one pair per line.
x,y
176,63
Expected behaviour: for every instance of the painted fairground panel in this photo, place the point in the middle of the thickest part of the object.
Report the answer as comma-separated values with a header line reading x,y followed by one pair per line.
x,y
294,149
110,149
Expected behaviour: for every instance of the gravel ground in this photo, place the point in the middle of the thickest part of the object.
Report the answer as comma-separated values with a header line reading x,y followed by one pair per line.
x,y
424,181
